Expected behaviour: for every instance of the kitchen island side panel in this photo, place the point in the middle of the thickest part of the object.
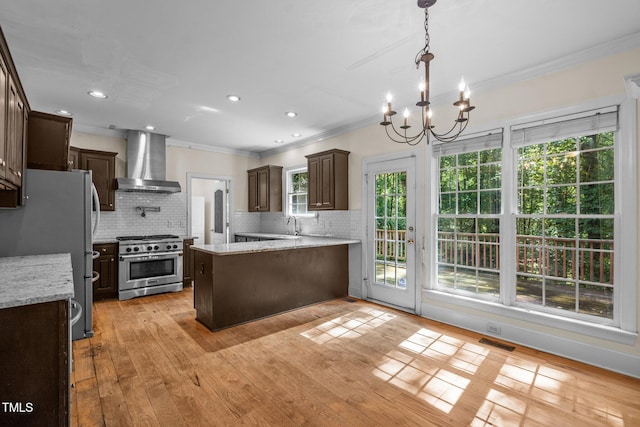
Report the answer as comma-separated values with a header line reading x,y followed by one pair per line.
x,y
250,286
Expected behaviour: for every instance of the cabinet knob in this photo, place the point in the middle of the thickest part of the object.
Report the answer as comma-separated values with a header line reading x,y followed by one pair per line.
x,y
110,204
104,249
19,174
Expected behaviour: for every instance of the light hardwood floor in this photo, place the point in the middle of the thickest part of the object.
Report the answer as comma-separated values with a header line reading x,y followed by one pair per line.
x,y
337,363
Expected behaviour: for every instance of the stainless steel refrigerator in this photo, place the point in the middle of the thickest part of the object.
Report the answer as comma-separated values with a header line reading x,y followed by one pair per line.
x,y
56,218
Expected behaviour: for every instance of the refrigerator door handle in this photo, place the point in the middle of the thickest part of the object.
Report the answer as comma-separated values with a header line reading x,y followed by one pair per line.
x,y
96,203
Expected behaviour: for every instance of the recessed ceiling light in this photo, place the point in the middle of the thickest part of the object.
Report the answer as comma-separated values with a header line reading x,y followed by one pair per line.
x,y
149,127
279,141
296,135
98,94
290,114
233,98
64,112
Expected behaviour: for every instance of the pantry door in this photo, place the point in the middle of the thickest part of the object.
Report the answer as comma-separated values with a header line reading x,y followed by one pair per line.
x,y
391,232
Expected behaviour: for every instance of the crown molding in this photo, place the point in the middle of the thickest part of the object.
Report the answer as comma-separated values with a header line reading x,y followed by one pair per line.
x,y
212,148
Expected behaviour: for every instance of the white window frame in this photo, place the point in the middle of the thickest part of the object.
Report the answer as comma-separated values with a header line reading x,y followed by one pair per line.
x,y
624,326
468,144
287,186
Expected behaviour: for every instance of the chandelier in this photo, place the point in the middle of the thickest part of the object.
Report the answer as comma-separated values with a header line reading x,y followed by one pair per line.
x,y
463,103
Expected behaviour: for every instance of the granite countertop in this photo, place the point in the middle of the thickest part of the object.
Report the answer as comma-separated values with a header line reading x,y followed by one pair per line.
x,y
292,242
270,235
104,241
34,279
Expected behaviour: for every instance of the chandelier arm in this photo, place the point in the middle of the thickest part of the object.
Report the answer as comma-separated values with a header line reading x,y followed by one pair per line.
x,y
448,137
411,141
408,139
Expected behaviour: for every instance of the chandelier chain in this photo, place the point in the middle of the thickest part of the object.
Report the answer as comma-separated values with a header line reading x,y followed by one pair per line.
x,y
427,39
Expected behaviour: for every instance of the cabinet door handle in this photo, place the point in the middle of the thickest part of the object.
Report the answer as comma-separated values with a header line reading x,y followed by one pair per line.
x,y
201,268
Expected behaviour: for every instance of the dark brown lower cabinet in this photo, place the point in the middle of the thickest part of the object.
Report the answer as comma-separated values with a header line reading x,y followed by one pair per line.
x,y
236,288
34,365
106,265
187,263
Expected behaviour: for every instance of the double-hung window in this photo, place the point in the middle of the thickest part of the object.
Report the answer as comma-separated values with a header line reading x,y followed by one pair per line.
x,y
565,215
468,216
296,196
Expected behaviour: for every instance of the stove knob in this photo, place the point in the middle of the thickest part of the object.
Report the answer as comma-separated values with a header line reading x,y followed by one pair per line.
x,y
136,249
128,249
149,248
175,246
168,246
156,247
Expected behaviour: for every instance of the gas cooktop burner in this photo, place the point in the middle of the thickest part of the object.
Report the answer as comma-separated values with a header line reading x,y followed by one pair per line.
x,y
151,237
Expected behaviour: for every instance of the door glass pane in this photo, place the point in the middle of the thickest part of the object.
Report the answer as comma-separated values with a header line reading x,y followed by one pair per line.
x,y
390,233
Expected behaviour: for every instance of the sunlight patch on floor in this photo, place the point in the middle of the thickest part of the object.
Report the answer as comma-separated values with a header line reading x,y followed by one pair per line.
x,y
349,326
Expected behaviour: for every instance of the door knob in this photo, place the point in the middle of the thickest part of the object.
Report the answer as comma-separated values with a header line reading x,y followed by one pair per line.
x,y
411,228
410,241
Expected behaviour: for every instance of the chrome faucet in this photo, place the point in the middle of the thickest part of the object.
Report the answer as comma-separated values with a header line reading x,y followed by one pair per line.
x,y
295,224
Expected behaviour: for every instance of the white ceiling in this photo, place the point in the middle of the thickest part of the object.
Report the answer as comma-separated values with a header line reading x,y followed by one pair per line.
x,y
171,63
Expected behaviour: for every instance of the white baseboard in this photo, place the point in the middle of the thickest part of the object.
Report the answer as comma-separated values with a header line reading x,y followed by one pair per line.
x,y
623,363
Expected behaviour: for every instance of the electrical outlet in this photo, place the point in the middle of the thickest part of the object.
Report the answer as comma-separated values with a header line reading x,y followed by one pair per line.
x,y
494,328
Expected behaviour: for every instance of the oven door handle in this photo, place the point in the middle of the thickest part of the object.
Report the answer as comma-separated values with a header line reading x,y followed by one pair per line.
x,y
149,256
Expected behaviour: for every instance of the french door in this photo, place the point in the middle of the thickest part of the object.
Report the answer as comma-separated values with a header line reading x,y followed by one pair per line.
x,y
390,236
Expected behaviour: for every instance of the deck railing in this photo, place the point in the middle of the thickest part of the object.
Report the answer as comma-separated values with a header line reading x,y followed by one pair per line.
x,y
589,260
391,245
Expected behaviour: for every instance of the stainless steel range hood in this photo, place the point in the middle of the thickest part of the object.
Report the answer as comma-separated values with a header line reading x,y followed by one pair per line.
x,y
146,164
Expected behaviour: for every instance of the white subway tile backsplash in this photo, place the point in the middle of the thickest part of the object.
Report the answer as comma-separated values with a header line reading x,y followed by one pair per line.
x,y
126,220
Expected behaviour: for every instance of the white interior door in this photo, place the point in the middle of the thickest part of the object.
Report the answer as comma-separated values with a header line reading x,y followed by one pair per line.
x,y
197,218
218,220
216,195
390,216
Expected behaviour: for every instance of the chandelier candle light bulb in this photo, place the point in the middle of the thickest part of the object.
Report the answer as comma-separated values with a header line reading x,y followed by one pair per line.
x,y
425,57
406,119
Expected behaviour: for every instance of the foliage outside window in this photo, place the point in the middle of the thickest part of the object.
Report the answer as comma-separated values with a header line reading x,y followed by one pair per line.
x,y
468,222
565,225
297,192
391,229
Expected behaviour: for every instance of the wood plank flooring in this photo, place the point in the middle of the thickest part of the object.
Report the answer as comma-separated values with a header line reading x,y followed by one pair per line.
x,y
338,363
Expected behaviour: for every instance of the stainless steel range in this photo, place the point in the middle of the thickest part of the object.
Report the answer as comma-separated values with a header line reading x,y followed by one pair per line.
x,y
149,265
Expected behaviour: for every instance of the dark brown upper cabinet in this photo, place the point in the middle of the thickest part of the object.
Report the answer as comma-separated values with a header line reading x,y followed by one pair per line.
x,y
265,189
328,180
14,111
102,165
48,142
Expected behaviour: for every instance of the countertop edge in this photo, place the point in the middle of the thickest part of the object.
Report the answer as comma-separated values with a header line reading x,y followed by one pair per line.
x,y
35,279
273,245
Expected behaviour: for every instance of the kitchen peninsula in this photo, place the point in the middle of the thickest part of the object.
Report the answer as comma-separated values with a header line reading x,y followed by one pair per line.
x,y
239,282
